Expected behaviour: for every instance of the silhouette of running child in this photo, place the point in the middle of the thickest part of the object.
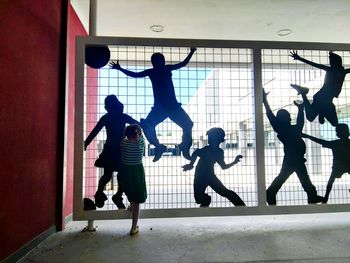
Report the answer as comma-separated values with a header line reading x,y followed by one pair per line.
x,y
294,151
110,159
341,154
204,174
165,102
322,104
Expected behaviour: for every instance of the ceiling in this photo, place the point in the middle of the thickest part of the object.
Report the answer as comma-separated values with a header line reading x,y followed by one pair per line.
x,y
309,20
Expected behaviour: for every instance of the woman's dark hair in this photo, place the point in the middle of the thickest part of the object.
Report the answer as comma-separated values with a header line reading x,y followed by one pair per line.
x,y
132,131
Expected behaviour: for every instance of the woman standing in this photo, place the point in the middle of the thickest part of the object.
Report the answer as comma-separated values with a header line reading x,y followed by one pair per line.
x,y
132,172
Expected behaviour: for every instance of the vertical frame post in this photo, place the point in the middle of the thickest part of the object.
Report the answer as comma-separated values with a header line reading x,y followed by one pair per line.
x,y
259,127
79,128
92,17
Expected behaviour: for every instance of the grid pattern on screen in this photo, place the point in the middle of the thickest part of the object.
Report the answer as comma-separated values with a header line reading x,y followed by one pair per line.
x,y
279,70
215,89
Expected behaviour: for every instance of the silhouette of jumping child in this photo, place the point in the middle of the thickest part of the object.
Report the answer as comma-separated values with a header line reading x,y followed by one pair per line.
x,y
341,154
294,151
322,104
204,174
165,102
114,121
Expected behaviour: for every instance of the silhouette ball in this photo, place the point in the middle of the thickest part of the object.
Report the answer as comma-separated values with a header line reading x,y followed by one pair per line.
x,y
97,56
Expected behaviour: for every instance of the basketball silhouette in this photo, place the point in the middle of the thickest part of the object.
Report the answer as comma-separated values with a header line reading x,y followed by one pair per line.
x,y
97,56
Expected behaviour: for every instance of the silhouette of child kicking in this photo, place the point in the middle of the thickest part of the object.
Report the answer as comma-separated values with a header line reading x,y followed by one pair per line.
x,y
294,151
341,154
204,175
322,104
110,159
165,102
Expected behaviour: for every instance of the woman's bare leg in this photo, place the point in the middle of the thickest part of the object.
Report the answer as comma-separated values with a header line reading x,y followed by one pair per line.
x,y
135,212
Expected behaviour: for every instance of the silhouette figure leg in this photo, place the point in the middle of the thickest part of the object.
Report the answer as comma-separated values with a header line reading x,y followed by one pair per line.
x,y
301,90
310,112
218,187
329,188
202,198
277,183
100,196
149,128
331,114
117,197
181,118
307,185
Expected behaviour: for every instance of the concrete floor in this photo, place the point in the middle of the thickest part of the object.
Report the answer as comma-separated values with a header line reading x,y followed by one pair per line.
x,y
312,238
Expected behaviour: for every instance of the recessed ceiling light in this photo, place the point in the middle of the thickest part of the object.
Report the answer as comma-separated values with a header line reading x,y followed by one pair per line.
x,y
157,28
284,32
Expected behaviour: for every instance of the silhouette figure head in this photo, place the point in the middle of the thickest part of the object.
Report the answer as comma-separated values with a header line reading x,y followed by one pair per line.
x,y
112,104
158,60
335,60
283,116
342,131
216,136
133,131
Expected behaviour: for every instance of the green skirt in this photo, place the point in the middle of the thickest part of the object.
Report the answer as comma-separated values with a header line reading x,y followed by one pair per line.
x,y
132,179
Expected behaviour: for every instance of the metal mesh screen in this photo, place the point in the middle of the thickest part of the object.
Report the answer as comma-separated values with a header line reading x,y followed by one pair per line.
x,y
215,89
279,71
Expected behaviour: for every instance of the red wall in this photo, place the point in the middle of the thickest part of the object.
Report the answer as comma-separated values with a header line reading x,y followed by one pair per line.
x,y
31,102
75,28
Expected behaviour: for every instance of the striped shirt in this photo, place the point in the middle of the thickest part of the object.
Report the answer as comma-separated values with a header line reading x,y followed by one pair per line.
x,y
132,151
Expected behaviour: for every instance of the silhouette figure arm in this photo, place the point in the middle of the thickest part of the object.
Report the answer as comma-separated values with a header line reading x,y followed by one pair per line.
x,y
324,143
225,166
189,166
272,118
93,133
131,120
347,71
129,73
185,61
295,55
300,116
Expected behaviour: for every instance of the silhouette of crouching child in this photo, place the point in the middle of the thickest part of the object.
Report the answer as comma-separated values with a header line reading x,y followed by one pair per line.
x,y
114,122
341,154
204,174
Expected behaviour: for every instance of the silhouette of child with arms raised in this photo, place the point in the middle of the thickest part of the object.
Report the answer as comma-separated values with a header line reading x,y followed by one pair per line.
x,y
204,174
294,151
165,102
341,154
322,104
114,121
132,172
